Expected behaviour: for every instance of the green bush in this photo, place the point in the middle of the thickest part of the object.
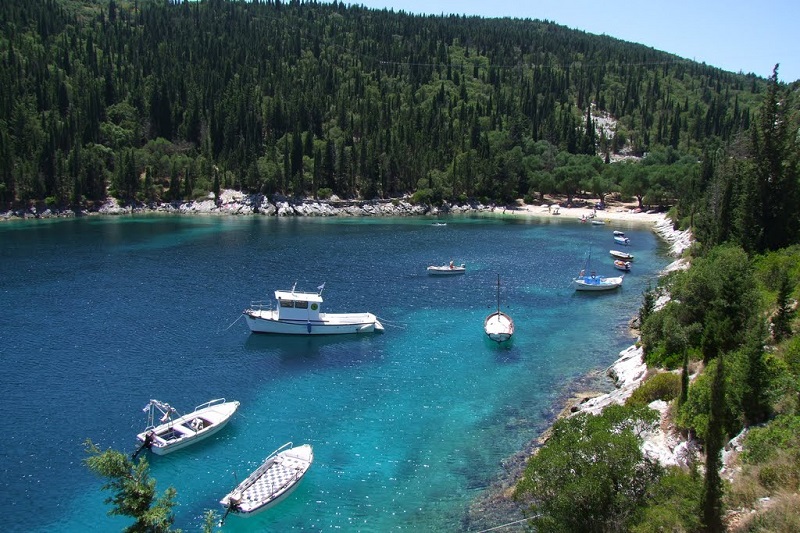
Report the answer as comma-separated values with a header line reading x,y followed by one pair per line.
x,y
672,503
663,386
324,193
762,443
422,197
591,474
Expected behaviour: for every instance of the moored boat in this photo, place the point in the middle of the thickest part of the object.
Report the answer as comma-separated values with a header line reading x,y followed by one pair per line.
x,y
276,478
447,270
621,239
498,326
589,280
621,255
299,313
594,282
619,264
170,435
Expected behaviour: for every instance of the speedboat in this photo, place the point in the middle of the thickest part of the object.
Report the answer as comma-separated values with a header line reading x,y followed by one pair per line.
x,y
498,326
447,270
619,264
299,313
276,478
618,233
621,255
621,239
170,435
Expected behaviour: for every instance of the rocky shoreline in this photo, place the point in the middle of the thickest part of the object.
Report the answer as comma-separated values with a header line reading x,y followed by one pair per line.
x,y
240,204
497,508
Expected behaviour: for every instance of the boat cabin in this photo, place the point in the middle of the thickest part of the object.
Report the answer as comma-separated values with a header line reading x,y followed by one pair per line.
x,y
298,305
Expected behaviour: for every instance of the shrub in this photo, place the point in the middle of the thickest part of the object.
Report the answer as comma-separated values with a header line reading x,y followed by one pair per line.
x,y
672,504
762,443
422,197
663,386
324,193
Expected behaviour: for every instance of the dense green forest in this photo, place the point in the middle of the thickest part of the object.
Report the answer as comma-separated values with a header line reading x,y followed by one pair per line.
x,y
152,100
723,350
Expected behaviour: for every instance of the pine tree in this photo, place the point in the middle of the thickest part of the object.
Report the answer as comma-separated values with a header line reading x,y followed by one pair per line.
x,y
781,322
712,487
776,169
134,492
684,378
755,401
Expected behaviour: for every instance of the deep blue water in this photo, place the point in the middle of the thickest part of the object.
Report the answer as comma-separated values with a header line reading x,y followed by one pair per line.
x,y
98,315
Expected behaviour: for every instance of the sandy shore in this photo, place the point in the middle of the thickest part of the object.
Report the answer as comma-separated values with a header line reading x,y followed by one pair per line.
x,y
626,213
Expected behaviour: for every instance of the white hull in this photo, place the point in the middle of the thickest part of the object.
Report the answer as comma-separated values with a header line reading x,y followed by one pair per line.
x,y
597,283
271,483
622,265
499,326
266,321
621,255
446,270
622,240
179,433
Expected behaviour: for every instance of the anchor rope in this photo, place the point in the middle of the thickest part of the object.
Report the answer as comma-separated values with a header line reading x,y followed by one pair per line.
x,y
234,322
391,323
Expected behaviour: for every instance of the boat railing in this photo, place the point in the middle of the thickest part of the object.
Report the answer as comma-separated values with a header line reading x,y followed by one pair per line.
x,y
210,403
244,485
260,305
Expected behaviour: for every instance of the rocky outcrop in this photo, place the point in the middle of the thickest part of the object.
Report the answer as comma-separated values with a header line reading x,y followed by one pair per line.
x,y
237,203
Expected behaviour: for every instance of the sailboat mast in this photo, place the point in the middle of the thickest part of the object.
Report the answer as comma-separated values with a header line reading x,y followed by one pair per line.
x,y
498,294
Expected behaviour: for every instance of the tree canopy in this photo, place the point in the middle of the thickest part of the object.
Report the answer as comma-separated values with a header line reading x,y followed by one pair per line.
x,y
150,100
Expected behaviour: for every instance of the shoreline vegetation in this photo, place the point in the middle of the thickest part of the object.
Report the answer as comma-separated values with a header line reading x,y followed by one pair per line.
x,y
590,394
236,203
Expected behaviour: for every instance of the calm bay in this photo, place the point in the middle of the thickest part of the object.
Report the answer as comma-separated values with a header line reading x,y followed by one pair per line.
x,y
101,314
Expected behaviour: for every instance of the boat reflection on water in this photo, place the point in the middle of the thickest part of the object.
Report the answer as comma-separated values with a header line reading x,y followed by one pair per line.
x,y
334,348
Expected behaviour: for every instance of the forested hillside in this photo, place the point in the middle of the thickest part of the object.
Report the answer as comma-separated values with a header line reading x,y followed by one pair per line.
x,y
153,100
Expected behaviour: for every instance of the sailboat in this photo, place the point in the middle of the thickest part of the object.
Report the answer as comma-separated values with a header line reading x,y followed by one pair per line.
x,y
588,280
498,326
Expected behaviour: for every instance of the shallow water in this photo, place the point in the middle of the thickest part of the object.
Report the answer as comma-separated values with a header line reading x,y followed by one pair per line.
x,y
101,314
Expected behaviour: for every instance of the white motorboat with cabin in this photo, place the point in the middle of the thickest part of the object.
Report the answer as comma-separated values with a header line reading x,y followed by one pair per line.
x,y
450,269
498,326
300,313
621,239
173,434
274,480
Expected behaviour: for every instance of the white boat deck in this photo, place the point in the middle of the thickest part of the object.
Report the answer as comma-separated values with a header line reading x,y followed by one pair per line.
x,y
280,474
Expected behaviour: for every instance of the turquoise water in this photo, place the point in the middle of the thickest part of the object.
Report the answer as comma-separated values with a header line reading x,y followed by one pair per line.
x,y
101,314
